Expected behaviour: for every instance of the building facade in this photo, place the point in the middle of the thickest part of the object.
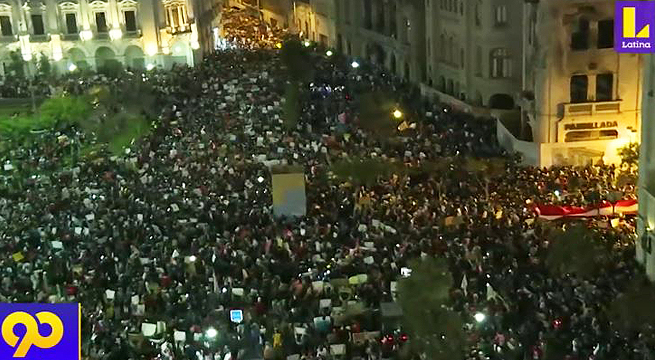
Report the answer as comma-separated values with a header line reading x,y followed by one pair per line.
x,y
390,33
316,20
582,99
474,50
646,219
89,34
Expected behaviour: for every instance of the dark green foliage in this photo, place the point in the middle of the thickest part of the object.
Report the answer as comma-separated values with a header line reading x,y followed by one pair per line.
x,y
65,110
16,66
365,171
298,61
111,68
44,67
435,330
629,156
575,251
633,311
292,105
375,114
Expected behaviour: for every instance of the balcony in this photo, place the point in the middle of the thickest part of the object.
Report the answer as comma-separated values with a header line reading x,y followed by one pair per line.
x,y
184,28
133,34
592,108
40,38
101,36
8,38
71,37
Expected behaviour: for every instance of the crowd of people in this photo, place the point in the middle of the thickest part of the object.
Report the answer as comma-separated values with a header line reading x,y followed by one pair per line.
x,y
170,237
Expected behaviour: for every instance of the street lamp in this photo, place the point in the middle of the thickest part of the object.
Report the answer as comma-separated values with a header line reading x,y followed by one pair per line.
x,y
397,114
355,64
150,67
329,53
192,258
72,67
479,317
211,333
307,43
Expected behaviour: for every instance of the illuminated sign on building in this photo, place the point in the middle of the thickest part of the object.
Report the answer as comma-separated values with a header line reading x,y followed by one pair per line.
x,y
591,125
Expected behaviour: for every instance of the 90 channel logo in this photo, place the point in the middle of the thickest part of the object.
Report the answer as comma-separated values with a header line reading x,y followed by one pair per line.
x,y
40,331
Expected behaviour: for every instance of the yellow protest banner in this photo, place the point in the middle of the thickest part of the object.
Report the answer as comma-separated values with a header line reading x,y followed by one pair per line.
x,y
18,256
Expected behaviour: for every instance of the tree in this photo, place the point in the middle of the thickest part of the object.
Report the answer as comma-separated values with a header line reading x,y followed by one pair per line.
x,y
485,170
375,111
575,251
435,331
629,157
291,109
16,67
633,310
298,61
613,197
365,171
43,66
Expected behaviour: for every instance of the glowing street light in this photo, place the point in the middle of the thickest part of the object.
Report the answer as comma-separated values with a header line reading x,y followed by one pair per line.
x,y
329,53
479,317
278,45
355,64
192,258
150,67
72,67
307,43
397,114
211,333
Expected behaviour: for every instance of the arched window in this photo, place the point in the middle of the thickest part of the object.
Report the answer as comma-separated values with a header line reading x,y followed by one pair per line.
x,y
501,63
451,50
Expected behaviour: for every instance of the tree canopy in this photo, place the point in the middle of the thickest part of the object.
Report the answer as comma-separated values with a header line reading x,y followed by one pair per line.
x,y
575,251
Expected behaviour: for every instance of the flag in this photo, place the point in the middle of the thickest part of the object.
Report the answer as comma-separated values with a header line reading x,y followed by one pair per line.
x,y
464,285
491,293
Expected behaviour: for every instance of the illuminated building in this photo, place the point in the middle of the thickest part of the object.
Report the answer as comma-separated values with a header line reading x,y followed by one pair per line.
x,y
90,34
582,99
646,220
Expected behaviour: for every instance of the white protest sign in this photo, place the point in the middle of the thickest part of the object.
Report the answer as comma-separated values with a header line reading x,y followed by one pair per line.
x,y
57,245
110,294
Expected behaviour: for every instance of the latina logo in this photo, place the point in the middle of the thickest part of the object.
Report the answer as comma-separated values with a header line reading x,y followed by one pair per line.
x,y
633,27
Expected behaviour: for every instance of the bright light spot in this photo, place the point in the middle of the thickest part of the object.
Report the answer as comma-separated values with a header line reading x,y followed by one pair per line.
x,y
27,57
329,53
260,179
479,317
211,333
307,43
355,64
56,56
151,50
278,45
195,45
86,35
192,258
72,67
115,34
150,67
557,193
397,114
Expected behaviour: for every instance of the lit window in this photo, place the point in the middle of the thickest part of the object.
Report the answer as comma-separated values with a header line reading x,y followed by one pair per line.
x,y
501,63
500,15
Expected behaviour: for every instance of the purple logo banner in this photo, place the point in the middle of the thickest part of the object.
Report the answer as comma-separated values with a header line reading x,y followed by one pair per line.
x,y
634,29
40,331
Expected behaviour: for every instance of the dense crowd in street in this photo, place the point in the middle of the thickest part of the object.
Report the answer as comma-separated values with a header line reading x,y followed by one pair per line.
x,y
180,230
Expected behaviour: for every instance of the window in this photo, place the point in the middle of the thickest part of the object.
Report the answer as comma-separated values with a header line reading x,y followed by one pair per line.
x,y
5,25
501,64
478,61
101,22
477,15
429,48
580,37
444,50
130,20
451,50
606,34
588,135
323,39
501,15
604,87
368,18
71,23
37,25
175,15
461,58
578,89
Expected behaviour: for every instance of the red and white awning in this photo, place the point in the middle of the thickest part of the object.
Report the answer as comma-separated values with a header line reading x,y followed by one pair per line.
x,y
552,212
